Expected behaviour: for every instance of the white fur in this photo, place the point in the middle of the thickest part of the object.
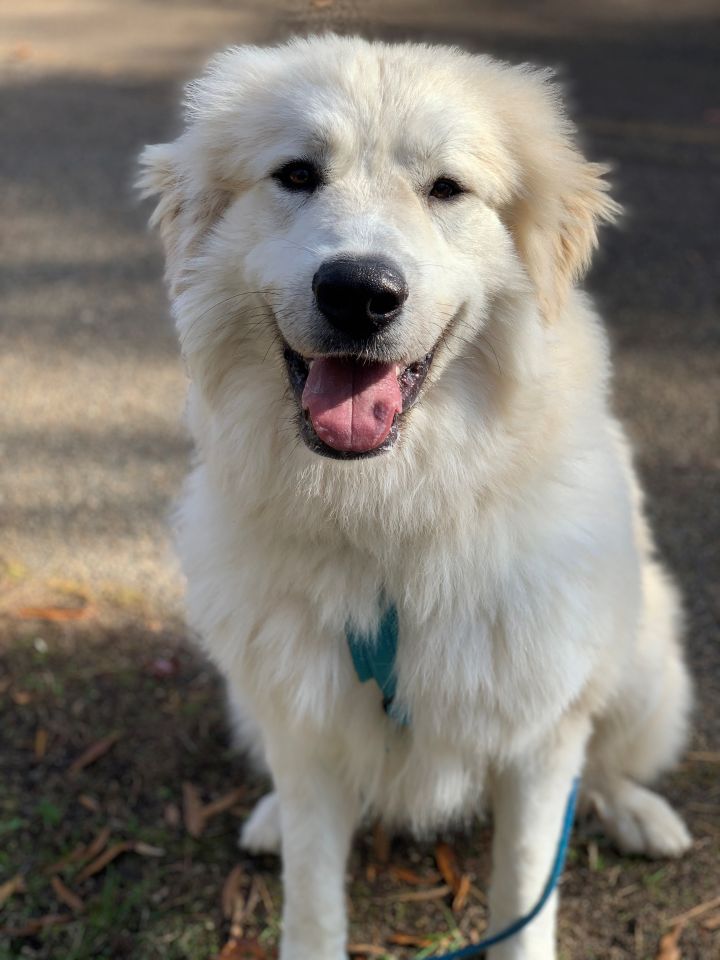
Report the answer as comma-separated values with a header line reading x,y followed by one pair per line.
x,y
538,635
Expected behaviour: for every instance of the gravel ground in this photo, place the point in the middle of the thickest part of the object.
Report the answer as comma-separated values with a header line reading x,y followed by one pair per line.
x,y
92,445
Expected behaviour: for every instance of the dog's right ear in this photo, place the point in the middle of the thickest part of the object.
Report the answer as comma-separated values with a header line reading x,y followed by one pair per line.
x,y
159,178
184,211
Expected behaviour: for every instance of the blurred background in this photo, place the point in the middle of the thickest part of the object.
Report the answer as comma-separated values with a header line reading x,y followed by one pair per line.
x,y
114,742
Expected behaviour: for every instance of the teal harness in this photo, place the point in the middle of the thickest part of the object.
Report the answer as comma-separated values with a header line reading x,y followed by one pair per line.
x,y
373,656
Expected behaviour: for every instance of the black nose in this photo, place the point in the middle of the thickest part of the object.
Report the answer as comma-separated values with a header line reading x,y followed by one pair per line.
x,y
359,296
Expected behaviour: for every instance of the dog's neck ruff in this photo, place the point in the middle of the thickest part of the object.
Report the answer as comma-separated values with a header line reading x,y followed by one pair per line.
x,y
373,656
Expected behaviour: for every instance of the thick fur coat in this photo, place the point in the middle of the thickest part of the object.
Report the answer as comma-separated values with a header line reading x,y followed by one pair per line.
x,y
538,633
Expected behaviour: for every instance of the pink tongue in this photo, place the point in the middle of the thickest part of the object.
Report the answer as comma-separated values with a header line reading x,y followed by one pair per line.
x,y
352,404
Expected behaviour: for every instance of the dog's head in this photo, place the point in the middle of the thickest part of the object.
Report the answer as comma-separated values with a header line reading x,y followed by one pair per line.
x,y
361,211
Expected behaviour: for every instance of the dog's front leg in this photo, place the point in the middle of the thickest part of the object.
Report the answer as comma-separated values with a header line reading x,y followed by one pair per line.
x,y
529,801
318,813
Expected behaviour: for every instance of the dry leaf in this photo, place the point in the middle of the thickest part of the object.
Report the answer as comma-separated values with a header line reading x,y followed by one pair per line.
x,y
94,752
447,865
90,803
416,896
231,890
171,815
264,894
704,756
98,844
10,888
196,815
368,949
99,863
147,850
236,949
668,948
701,908
21,698
65,895
53,614
41,742
222,804
81,852
322,4
712,923
460,898
34,926
381,844
193,817
403,875
409,940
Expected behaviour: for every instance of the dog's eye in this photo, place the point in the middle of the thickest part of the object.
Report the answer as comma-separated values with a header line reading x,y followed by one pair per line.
x,y
298,175
444,189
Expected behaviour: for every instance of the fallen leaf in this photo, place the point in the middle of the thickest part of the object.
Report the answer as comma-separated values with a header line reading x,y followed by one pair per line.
x,y
31,927
196,815
241,950
447,865
21,698
403,875
368,949
41,742
99,863
53,614
90,803
192,811
409,940
147,850
65,895
231,890
98,844
171,815
11,887
704,756
701,908
668,948
711,923
79,853
460,898
413,896
93,753
322,4
381,844
222,804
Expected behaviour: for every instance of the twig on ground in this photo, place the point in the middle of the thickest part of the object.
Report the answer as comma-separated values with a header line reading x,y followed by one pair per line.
x,y
93,753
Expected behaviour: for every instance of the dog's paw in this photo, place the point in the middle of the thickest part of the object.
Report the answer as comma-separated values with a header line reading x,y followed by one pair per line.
x,y
642,822
261,831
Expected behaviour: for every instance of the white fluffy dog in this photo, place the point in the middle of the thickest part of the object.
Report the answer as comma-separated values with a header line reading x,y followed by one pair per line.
x,y
399,397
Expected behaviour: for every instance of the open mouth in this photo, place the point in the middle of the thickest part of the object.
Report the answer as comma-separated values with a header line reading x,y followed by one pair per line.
x,y
351,407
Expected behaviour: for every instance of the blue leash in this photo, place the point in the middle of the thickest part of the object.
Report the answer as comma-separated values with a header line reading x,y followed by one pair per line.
x,y
474,949
373,657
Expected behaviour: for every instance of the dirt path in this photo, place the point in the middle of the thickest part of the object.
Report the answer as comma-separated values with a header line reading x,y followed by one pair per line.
x,y
93,450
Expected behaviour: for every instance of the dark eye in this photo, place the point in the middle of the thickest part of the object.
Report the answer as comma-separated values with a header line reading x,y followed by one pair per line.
x,y
444,189
299,175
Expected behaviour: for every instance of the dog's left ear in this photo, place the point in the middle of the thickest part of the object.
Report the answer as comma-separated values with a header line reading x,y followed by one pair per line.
x,y
562,199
